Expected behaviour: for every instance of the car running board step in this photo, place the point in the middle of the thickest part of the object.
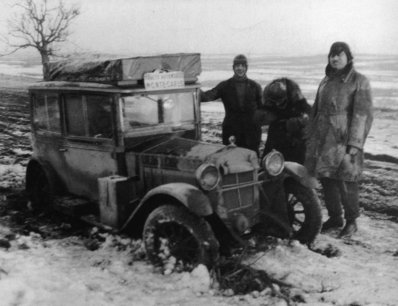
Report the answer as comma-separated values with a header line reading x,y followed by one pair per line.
x,y
73,206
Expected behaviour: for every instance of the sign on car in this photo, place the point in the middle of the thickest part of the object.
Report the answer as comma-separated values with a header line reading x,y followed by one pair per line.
x,y
164,80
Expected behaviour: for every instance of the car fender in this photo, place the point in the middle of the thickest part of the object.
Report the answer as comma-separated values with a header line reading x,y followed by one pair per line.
x,y
188,195
300,174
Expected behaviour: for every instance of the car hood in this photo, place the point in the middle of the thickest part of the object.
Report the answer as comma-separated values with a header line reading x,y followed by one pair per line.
x,y
189,154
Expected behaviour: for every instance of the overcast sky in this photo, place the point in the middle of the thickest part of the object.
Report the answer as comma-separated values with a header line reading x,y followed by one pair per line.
x,y
285,27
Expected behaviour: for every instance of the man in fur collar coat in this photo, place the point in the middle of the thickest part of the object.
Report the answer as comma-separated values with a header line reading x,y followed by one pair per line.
x,y
288,111
241,97
339,124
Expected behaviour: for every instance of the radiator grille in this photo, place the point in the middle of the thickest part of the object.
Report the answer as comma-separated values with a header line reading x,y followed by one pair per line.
x,y
235,194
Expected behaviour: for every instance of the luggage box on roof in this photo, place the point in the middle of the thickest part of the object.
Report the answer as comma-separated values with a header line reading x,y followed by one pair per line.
x,y
124,71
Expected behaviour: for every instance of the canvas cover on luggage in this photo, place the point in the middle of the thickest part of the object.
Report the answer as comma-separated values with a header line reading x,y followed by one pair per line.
x,y
123,71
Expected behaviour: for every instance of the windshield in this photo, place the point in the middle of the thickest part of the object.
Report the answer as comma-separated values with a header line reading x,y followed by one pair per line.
x,y
146,110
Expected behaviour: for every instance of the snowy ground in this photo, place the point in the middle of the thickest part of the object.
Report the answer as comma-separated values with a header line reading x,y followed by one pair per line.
x,y
51,260
70,271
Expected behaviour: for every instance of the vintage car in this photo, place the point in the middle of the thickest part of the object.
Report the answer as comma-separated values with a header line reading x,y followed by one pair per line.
x,y
126,153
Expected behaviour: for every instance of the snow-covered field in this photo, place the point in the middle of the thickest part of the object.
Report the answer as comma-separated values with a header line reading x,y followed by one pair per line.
x,y
38,271
55,262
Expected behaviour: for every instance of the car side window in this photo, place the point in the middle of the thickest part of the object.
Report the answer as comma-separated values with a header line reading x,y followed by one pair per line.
x,y
46,114
88,115
75,115
99,116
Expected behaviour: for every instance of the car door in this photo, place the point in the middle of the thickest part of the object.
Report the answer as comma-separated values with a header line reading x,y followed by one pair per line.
x,y
47,132
89,141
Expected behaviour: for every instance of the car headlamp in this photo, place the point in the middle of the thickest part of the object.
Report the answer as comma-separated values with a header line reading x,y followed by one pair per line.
x,y
274,163
208,176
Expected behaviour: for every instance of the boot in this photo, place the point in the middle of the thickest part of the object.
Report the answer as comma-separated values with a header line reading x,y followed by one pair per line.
x,y
349,229
332,222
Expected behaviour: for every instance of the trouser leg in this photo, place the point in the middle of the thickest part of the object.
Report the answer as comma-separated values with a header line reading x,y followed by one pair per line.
x,y
332,195
350,199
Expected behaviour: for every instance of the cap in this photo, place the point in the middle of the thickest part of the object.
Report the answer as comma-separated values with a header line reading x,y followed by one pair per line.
x,y
338,47
240,59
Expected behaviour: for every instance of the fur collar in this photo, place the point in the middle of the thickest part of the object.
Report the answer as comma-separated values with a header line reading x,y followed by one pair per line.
x,y
343,73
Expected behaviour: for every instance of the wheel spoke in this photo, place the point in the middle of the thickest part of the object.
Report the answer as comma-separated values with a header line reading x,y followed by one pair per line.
x,y
174,232
304,211
297,216
181,243
293,201
298,221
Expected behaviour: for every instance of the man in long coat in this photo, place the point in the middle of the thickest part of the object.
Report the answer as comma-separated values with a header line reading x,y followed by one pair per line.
x,y
241,97
340,122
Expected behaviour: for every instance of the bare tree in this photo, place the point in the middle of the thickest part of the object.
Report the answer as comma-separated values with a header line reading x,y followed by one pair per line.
x,y
40,25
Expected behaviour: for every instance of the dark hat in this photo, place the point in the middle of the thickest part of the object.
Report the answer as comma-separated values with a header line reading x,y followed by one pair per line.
x,y
338,47
275,94
276,90
240,59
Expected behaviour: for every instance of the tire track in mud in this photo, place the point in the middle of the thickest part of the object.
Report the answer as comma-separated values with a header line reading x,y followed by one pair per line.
x,y
14,122
379,187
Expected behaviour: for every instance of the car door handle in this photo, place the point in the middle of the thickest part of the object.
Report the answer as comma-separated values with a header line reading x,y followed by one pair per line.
x,y
62,149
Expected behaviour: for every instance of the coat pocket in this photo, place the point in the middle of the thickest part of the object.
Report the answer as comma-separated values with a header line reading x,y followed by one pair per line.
x,y
339,126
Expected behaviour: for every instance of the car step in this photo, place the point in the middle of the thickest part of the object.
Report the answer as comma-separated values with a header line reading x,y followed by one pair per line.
x,y
73,206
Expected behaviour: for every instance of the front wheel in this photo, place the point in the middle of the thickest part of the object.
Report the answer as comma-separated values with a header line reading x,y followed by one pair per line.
x,y
173,231
304,211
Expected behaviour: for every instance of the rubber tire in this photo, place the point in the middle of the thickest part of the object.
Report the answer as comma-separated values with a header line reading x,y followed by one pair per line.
x,y
310,227
168,220
40,193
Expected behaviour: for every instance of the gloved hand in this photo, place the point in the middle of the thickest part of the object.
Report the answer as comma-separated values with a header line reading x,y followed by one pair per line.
x,y
352,152
293,125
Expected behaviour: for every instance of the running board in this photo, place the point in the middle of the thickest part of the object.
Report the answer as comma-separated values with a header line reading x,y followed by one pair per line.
x,y
73,206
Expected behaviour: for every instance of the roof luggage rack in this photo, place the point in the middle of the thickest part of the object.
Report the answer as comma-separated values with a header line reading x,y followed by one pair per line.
x,y
124,71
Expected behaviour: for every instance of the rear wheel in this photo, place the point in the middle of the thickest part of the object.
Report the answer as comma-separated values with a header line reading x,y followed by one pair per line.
x,y
39,189
173,231
304,211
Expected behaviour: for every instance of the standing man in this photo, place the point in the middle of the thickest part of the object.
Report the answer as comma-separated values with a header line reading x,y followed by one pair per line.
x,y
340,122
241,98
